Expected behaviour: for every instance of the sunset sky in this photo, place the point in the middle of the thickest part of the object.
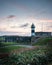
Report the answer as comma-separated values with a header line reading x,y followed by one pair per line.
x,y
16,16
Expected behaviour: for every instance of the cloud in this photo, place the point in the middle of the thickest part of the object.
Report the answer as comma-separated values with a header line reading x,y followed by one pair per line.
x,y
34,19
45,20
14,26
50,26
13,33
24,25
11,16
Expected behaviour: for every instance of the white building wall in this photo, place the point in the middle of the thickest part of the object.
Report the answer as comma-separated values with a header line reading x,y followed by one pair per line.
x,y
51,33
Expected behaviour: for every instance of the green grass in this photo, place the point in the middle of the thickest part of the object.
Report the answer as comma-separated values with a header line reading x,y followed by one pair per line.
x,y
43,41
37,55
9,48
30,56
9,43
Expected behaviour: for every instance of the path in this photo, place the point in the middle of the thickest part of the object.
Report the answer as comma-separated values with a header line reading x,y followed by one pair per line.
x,y
27,46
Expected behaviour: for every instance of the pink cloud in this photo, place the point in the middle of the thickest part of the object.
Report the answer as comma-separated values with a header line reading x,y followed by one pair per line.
x,y
3,19
11,16
24,25
46,20
32,17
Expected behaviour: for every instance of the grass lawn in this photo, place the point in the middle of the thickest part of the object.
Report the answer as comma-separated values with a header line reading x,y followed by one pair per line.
x,y
9,43
9,48
43,41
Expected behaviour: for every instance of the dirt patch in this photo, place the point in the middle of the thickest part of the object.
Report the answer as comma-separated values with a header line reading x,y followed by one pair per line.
x,y
17,51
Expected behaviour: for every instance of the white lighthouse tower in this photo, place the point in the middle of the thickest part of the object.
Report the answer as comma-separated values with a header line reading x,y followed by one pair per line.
x,y
32,34
32,30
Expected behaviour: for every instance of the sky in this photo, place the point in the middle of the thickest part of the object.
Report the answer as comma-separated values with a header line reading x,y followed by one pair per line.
x,y
17,16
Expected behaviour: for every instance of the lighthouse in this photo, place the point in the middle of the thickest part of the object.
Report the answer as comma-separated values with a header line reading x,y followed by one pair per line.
x,y
32,34
32,30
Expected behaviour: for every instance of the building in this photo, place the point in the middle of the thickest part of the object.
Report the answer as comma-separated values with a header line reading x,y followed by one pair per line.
x,y
32,33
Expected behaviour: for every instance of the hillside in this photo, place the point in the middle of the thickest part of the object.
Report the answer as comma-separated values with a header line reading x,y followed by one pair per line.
x,y
43,41
38,54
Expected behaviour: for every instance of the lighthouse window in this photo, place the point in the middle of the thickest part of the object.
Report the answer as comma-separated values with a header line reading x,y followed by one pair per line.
x,y
32,30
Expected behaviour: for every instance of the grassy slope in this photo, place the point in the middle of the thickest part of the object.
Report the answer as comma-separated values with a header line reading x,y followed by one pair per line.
x,y
9,48
43,41
28,55
40,42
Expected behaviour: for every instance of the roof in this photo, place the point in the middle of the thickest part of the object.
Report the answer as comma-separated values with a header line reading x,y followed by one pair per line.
x,y
32,26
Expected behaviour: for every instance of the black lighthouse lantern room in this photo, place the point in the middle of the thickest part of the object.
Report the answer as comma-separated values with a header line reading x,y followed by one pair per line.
x,y
32,30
